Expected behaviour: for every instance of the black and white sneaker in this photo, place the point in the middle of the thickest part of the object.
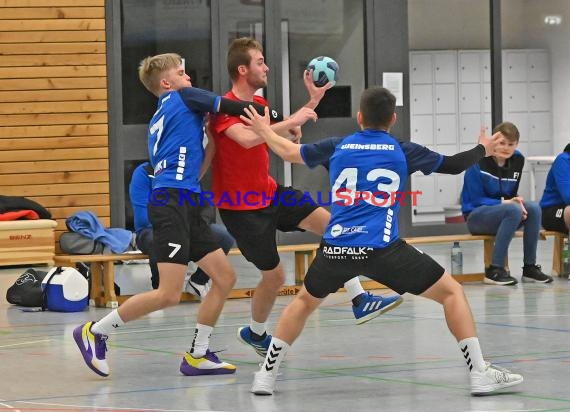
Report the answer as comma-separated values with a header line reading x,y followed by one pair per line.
x,y
533,273
196,289
495,275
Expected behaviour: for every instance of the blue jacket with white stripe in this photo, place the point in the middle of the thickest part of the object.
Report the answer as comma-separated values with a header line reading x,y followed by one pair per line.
x,y
486,183
557,188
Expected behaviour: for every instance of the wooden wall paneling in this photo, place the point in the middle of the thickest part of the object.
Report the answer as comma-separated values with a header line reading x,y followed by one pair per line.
x,y
59,142
54,83
52,60
63,189
93,199
50,165
54,3
53,130
23,13
52,48
60,154
51,24
53,105
55,178
49,119
53,95
55,36
53,71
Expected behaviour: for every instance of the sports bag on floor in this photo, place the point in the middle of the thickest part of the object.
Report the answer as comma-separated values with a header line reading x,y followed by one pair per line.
x,y
27,290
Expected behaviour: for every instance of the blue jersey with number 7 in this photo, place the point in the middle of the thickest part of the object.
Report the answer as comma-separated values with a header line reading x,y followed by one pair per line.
x,y
175,137
368,171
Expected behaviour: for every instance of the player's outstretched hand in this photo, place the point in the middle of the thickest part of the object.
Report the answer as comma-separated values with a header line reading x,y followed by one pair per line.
x,y
315,93
255,120
303,115
489,142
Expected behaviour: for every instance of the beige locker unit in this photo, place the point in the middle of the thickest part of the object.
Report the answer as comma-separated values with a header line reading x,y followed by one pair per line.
x,y
527,98
527,102
474,94
434,109
451,99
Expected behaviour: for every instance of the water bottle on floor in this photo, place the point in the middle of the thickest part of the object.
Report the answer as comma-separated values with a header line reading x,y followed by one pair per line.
x,y
566,258
456,259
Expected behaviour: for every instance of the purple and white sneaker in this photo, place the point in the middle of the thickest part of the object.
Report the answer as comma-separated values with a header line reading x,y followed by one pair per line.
x,y
209,364
92,347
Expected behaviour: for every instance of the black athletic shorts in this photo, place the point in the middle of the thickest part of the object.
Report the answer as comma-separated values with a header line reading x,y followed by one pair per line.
x,y
400,266
180,233
255,230
553,219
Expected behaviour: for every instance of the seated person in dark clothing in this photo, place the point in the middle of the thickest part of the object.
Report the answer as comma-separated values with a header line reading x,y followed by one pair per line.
x,y
555,202
139,191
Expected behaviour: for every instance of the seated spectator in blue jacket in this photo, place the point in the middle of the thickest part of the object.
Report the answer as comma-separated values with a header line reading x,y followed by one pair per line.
x,y
555,202
139,191
491,206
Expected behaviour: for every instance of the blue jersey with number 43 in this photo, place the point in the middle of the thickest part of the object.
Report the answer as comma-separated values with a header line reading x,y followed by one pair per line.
x,y
368,171
175,137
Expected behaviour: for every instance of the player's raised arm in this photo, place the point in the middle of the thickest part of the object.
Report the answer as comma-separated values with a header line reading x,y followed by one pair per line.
x,y
284,148
316,93
461,161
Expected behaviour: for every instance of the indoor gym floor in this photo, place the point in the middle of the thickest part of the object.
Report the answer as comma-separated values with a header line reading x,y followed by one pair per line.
x,y
405,360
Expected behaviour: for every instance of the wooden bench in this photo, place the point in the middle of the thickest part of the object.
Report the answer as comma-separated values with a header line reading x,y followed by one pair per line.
x,y
102,292
488,243
24,242
557,251
103,272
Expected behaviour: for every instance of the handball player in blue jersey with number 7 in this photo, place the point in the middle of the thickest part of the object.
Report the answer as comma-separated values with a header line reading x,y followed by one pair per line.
x,y
180,234
371,165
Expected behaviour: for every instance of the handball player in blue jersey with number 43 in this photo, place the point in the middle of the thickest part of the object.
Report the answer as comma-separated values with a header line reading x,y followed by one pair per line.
x,y
373,161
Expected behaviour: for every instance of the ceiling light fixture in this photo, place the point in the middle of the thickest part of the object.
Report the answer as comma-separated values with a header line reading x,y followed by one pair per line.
x,y
553,20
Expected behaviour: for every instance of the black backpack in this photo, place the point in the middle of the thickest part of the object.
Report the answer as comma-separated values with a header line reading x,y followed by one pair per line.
x,y
27,290
77,244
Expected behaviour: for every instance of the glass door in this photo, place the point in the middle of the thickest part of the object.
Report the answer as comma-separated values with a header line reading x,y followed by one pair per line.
x,y
200,31
334,29
142,28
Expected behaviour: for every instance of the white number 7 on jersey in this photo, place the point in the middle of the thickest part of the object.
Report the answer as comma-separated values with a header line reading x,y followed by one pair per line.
x,y
176,247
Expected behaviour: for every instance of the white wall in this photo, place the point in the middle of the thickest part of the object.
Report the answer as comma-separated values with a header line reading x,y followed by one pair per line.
x,y
523,27
448,24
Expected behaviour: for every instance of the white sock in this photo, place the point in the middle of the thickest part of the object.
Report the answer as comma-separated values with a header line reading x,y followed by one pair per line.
x,y
108,323
201,340
258,328
354,287
471,351
276,353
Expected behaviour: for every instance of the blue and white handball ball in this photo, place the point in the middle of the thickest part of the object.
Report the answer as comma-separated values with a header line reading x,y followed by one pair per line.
x,y
324,69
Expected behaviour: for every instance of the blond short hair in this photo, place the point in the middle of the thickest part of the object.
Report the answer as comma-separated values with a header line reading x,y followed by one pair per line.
x,y
151,68
509,130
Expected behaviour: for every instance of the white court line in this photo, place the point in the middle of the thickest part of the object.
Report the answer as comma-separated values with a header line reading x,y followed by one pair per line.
x,y
9,406
127,332
506,410
25,343
113,408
